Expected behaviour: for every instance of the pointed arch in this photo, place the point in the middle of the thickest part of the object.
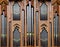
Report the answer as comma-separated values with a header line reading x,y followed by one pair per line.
x,y
16,37
4,30
44,38
43,25
43,11
16,11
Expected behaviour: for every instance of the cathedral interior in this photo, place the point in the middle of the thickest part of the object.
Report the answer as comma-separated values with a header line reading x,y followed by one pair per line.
x,y
29,23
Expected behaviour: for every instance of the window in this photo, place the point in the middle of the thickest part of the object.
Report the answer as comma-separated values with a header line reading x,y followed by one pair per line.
x,y
4,30
16,11
16,37
30,27
44,38
43,12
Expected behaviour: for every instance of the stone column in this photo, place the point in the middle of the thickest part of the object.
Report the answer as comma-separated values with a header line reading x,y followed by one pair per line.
x,y
52,28
34,23
25,24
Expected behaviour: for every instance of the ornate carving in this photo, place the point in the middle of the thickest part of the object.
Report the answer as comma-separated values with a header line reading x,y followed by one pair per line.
x,y
55,1
5,2
58,2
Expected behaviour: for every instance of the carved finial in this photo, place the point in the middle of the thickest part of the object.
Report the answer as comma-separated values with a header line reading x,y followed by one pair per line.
x,y
3,4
